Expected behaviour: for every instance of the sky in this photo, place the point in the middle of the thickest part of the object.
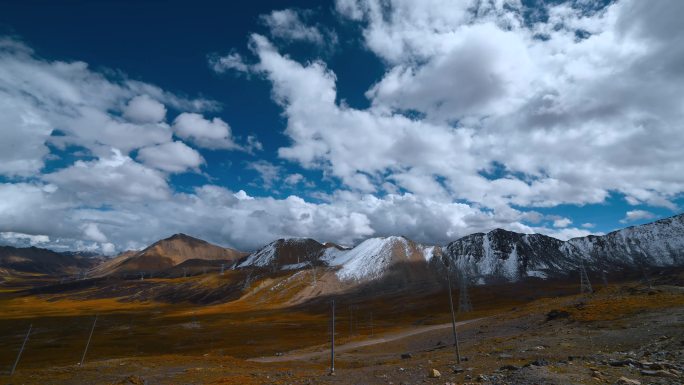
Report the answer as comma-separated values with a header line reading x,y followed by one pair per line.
x,y
122,123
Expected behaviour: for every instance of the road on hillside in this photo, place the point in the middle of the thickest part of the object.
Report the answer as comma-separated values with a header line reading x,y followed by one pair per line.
x,y
296,355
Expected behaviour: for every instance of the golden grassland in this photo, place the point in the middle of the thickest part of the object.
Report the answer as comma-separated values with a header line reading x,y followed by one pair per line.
x,y
618,302
245,328
225,334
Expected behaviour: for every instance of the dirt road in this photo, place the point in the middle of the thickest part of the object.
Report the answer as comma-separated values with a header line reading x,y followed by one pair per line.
x,y
299,355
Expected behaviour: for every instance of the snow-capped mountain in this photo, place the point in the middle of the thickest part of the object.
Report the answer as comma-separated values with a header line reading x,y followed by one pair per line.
x,y
289,254
660,243
502,254
372,258
399,262
510,255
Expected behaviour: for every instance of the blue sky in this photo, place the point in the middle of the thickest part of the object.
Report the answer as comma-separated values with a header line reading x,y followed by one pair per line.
x,y
125,122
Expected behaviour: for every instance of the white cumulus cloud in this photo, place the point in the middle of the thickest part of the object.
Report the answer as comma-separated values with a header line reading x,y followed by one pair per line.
x,y
172,157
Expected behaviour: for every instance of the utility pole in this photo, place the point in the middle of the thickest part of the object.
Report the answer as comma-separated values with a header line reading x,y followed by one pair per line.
x,y
223,268
453,317
332,340
646,277
23,345
142,276
603,276
88,343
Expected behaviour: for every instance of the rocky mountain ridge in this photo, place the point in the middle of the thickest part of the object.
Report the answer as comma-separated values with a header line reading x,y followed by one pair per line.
x,y
498,255
510,256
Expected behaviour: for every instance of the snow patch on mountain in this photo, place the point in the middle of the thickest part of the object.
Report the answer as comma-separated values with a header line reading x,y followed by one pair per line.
x,y
502,254
262,257
268,254
367,260
372,257
660,243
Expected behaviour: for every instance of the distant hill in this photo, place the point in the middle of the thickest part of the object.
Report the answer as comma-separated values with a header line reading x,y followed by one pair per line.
x,y
166,254
44,261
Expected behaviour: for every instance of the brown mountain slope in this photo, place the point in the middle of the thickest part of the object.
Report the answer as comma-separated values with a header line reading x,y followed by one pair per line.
x,y
37,260
166,254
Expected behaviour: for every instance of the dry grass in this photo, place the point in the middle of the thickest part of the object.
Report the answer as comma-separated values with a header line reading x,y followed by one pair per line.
x,y
617,302
220,336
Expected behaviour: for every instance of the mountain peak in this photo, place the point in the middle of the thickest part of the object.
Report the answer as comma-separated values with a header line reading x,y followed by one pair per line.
x,y
181,236
286,251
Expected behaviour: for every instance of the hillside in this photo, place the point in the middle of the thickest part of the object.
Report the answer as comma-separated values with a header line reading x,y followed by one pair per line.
x,y
506,255
44,261
288,254
166,254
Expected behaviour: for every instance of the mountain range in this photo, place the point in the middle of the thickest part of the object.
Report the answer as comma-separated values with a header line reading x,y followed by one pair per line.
x,y
496,256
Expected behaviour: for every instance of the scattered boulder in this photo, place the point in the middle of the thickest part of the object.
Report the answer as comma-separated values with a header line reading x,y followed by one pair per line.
x,y
627,381
509,367
504,356
619,362
538,362
406,356
458,369
658,373
132,380
556,314
434,373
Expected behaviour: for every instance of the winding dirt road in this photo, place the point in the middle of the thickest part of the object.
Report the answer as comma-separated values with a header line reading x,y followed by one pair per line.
x,y
298,355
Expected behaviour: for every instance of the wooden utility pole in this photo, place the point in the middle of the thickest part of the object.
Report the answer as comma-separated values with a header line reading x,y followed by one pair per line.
x,y
88,343
453,319
332,340
23,345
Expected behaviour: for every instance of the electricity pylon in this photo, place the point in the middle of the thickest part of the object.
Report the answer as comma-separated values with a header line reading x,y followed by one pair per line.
x,y
585,285
605,279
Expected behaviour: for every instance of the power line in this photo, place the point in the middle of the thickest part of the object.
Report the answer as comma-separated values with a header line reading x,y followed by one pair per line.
x,y
464,304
